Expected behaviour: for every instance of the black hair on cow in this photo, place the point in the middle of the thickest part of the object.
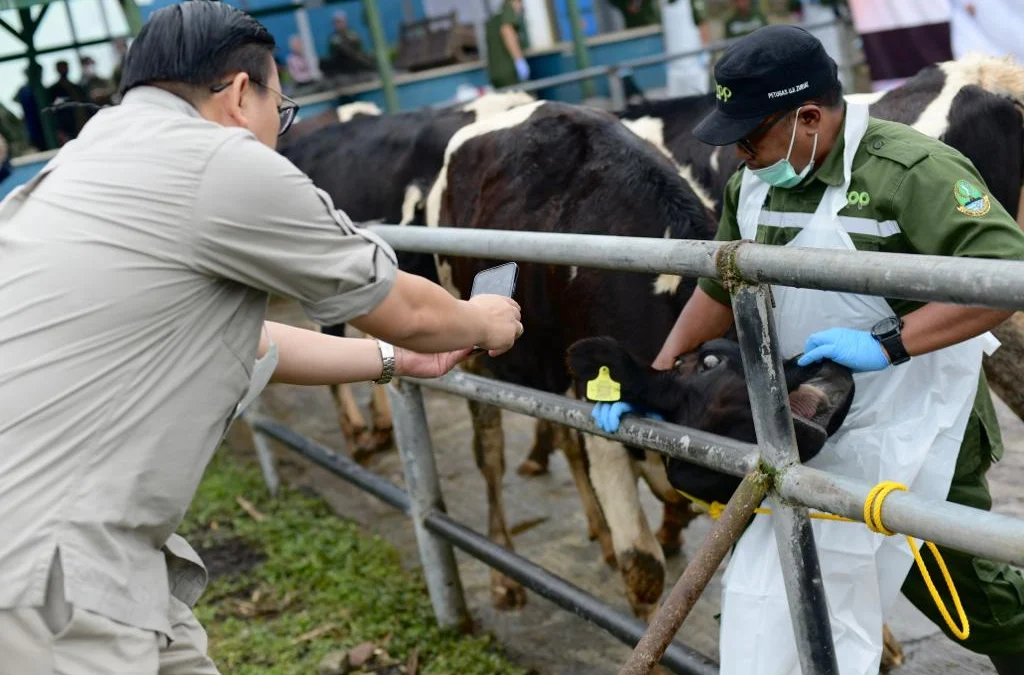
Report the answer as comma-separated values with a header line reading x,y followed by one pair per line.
x,y
191,46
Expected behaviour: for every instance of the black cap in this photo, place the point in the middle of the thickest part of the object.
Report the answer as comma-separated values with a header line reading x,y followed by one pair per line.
x,y
772,69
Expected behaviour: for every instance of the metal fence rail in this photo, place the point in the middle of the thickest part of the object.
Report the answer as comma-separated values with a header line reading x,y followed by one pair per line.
x,y
678,657
967,281
982,533
615,71
751,267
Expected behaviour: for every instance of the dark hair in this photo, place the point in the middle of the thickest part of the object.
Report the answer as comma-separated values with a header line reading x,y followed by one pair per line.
x,y
831,97
191,46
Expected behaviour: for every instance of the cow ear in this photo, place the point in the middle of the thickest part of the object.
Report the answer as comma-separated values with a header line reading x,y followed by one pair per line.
x,y
820,405
638,383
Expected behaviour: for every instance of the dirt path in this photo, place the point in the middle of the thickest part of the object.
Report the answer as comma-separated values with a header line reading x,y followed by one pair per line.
x,y
548,512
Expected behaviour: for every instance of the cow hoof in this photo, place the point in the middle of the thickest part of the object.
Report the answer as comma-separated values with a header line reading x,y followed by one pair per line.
x,y
532,467
671,544
506,594
370,442
644,575
892,651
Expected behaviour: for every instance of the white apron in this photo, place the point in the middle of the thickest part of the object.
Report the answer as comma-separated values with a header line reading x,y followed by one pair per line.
x,y
927,401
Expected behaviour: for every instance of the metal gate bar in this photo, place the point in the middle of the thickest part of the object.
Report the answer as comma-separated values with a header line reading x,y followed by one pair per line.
x,y
773,422
678,658
965,281
989,535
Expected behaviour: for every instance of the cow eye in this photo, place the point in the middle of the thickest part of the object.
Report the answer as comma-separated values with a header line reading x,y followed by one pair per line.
x,y
710,361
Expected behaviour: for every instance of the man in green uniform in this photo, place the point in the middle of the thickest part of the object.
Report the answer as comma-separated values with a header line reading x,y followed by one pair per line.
x,y
345,50
506,40
638,13
746,17
779,101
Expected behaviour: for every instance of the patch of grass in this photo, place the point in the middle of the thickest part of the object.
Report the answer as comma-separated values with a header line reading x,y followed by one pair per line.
x,y
302,582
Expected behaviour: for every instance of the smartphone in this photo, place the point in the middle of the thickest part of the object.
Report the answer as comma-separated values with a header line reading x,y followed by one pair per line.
x,y
500,280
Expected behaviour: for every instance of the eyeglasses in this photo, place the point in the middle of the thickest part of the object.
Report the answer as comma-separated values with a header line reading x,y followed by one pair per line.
x,y
286,111
747,142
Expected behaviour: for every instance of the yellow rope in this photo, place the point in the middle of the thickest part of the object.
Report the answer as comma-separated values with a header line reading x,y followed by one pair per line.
x,y
873,519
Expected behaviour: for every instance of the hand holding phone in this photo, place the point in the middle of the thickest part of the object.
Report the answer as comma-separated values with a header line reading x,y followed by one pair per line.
x,y
500,280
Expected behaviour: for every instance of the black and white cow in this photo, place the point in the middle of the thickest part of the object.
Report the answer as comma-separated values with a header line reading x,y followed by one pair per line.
x,y
554,167
707,390
379,167
974,104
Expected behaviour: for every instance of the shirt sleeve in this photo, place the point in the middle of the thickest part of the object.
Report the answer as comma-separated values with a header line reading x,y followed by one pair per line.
x,y
728,230
944,208
261,222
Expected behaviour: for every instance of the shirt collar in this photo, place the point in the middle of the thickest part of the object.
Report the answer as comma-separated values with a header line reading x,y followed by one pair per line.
x,y
831,170
150,95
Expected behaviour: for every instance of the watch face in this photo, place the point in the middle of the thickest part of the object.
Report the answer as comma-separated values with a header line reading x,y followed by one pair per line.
x,y
885,326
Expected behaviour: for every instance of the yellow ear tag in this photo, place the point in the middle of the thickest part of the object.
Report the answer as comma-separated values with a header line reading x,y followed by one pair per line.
x,y
603,388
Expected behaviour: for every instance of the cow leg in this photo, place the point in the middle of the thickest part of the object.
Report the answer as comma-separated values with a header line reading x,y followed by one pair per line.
x,y
380,438
676,511
572,444
350,418
892,650
536,463
489,453
639,556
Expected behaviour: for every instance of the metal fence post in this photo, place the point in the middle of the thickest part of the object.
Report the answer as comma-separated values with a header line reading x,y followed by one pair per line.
x,y
268,465
436,555
755,325
616,89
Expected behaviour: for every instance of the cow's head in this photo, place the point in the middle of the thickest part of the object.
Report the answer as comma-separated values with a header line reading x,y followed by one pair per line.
x,y
707,390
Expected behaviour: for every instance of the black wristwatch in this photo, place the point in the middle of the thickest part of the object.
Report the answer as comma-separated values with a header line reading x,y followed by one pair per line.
x,y
887,332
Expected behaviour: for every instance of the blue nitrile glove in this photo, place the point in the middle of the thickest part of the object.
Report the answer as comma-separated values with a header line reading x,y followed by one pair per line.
x,y
608,416
522,69
855,349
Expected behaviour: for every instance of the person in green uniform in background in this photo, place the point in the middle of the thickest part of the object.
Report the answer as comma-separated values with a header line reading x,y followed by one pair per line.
x,y
778,99
638,13
506,41
746,17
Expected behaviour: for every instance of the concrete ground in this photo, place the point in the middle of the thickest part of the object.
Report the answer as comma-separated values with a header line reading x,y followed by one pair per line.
x,y
550,529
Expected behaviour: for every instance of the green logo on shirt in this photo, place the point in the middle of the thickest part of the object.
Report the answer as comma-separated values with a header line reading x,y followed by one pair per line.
x,y
970,200
722,93
858,199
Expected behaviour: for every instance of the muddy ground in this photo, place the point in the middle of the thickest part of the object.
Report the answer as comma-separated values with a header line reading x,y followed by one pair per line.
x,y
551,530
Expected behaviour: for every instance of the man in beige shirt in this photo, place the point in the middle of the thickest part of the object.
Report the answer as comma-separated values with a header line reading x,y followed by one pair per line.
x,y
135,274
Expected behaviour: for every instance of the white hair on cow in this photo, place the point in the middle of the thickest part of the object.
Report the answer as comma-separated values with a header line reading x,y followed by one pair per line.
x,y
349,110
667,283
652,130
496,122
996,75
495,102
413,198
714,158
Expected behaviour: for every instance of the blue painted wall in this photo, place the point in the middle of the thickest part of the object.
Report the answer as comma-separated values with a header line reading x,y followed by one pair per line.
x,y
586,14
431,91
282,26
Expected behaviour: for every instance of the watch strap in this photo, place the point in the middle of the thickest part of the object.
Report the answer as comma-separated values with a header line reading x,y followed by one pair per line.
x,y
387,358
892,341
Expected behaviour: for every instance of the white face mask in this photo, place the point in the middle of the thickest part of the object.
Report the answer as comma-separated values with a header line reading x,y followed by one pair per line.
x,y
781,173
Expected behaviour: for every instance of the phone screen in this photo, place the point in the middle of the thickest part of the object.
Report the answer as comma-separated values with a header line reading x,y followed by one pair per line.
x,y
500,280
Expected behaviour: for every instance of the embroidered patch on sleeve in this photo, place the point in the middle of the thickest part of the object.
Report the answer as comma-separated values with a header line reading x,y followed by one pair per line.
x,y
970,201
